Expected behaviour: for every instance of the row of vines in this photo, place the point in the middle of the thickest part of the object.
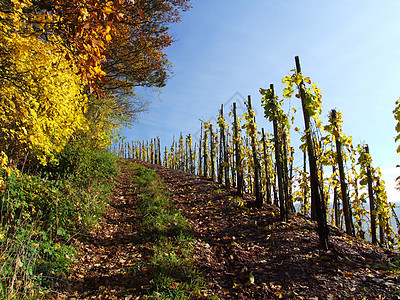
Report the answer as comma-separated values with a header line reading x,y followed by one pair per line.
x,y
337,183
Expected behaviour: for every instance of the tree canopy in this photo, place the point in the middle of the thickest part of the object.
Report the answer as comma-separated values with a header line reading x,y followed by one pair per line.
x,y
70,66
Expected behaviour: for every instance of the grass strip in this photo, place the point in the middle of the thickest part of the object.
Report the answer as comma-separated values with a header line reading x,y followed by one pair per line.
x,y
172,273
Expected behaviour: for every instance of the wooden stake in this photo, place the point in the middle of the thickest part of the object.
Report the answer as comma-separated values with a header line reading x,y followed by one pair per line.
x,y
238,160
266,159
278,165
200,157
343,185
212,153
315,193
372,208
221,145
257,189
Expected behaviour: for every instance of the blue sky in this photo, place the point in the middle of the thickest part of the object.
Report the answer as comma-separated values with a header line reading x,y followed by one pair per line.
x,y
225,50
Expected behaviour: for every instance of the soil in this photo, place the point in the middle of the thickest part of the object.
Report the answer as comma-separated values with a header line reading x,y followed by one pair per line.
x,y
243,252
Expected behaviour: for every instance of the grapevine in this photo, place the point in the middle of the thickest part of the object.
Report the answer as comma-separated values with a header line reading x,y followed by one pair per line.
x,y
245,159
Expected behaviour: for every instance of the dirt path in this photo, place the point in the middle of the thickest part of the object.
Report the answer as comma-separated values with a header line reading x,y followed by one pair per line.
x,y
107,267
243,253
247,253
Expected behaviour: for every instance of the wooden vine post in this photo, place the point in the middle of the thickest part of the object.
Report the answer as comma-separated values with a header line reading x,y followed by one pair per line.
x,y
286,181
382,222
157,156
305,191
155,152
181,154
121,149
361,233
205,151
172,154
147,152
194,158
343,185
278,162
318,150
142,151
248,184
136,151
151,148
191,164
226,155
231,157
238,158
335,202
224,158
315,192
165,157
266,159
293,210
159,151
257,187
187,157
221,151
176,157
200,146
396,219
371,200
212,153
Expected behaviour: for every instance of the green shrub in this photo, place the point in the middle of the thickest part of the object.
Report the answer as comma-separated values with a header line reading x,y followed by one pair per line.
x,y
83,163
40,213
19,254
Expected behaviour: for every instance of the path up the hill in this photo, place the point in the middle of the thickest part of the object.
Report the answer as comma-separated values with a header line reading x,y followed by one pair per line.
x,y
247,253
242,252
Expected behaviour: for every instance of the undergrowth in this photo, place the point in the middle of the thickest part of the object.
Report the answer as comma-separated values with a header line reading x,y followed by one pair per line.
x,y
41,213
173,273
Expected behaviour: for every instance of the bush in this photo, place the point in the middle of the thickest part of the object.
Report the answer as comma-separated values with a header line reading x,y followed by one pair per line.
x,y
84,163
40,213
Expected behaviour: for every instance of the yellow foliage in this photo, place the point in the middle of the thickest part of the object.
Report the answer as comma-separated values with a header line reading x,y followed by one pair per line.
x,y
41,95
4,163
5,170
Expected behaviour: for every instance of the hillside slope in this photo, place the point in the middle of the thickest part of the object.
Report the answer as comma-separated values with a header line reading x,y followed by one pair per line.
x,y
242,252
247,253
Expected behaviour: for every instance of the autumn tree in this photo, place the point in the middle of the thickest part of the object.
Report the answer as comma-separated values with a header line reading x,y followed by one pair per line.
x,y
135,55
116,44
41,97
81,59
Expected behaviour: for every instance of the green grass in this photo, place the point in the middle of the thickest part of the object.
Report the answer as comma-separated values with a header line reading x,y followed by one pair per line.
x,y
173,273
41,213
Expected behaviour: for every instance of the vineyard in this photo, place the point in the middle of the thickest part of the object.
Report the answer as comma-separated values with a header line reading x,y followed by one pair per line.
x,y
337,183
234,211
